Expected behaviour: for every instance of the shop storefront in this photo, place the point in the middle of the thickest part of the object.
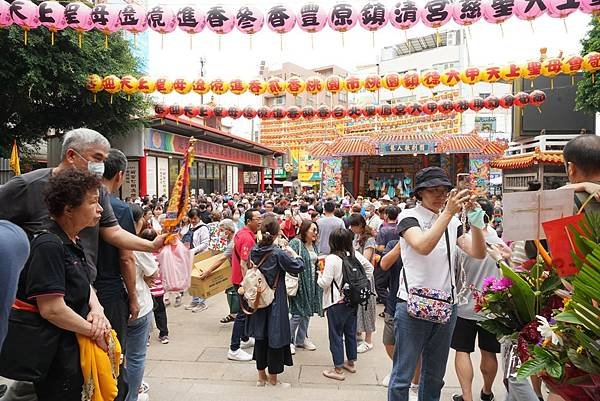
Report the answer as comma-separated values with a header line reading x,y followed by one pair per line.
x,y
222,163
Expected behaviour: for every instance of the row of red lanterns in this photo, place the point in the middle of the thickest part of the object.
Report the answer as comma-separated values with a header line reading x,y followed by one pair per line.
x,y
520,99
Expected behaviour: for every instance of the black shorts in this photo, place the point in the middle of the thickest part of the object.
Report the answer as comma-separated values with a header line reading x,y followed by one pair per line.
x,y
463,338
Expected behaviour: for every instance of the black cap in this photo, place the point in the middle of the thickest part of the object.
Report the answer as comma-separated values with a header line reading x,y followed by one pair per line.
x,y
431,177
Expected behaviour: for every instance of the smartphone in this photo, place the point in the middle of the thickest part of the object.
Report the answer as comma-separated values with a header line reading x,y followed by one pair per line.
x,y
463,181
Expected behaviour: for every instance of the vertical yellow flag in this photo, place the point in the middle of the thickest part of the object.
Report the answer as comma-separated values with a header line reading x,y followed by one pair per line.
x,y
14,159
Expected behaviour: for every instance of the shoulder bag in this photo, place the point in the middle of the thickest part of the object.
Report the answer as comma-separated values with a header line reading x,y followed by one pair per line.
x,y
431,304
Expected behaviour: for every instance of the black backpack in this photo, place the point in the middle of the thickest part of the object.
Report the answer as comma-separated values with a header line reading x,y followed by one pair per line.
x,y
355,287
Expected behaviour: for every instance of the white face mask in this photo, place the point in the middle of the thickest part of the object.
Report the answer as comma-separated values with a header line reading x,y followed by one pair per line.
x,y
96,168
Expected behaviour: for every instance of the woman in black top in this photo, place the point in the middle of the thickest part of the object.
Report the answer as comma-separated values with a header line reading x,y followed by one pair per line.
x,y
270,326
56,281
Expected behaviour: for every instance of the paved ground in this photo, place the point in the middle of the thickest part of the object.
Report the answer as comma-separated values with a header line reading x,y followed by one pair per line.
x,y
194,365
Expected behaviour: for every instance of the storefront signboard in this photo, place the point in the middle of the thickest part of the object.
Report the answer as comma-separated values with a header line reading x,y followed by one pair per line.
x,y
130,184
406,148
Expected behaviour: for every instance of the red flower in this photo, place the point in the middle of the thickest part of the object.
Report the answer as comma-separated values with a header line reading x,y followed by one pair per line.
x,y
554,302
530,332
528,264
523,349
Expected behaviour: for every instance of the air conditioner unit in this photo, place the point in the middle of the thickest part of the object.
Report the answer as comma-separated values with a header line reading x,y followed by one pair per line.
x,y
451,38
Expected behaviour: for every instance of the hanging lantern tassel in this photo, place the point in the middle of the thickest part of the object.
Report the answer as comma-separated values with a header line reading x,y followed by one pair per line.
x,y
551,83
105,40
250,41
572,80
52,37
501,30
373,38
343,44
565,25
111,96
540,110
593,77
438,38
135,39
94,98
281,42
25,31
219,42
162,41
191,42
312,41
80,38
469,31
128,97
531,25
531,84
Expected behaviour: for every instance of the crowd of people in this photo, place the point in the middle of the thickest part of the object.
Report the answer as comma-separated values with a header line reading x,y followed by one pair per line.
x,y
92,268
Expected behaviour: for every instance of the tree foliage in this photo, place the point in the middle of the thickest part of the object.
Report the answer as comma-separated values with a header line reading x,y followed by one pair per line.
x,y
588,89
43,86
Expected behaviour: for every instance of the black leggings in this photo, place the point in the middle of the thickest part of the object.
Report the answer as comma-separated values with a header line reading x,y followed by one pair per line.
x,y
160,315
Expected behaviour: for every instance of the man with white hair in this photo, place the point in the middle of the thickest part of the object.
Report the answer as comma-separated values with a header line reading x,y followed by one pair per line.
x,y
23,204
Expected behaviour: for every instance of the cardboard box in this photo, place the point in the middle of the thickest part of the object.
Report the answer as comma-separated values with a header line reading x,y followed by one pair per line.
x,y
199,257
216,283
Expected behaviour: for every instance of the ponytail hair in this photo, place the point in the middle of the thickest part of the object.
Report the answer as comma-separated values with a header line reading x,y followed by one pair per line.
x,y
269,230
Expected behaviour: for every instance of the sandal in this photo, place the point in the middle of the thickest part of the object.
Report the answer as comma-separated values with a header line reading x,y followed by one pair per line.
x,y
349,368
332,374
227,319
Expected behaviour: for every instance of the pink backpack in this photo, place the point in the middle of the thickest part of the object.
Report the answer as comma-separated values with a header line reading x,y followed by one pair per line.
x,y
175,265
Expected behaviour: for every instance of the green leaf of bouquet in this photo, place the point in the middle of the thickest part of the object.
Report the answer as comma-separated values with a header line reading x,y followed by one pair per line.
x,y
582,362
497,328
530,368
568,317
554,368
522,294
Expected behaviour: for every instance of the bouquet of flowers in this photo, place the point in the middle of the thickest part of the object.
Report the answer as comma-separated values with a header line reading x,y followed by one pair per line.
x,y
555,322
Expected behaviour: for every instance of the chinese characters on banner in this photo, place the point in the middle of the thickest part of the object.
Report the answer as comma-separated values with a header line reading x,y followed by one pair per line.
x,y
130,184
163,176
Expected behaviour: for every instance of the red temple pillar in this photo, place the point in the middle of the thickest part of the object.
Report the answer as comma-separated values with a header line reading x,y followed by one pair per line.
x,y
273,179
262,179
143,185
425,160
356,178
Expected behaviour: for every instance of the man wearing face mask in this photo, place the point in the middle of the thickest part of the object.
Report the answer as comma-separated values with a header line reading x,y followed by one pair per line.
x,y
22,200
373,219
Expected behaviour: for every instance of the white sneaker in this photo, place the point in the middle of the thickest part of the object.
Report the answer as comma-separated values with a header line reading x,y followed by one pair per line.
x,y
143,397
239,355
308,345
364,347
386,381
247,344
293,349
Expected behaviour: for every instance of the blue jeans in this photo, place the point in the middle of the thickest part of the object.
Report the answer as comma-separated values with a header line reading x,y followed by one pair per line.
x,y
341,322
416,337
135,356
299,323
238,333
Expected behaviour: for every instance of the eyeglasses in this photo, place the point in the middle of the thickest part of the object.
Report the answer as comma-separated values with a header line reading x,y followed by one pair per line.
x,y
437,190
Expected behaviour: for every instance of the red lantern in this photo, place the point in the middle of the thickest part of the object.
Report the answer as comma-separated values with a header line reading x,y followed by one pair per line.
x,y
161,110
372,83
385,110
323,112
414,109
205,111
430,107
354,112
335,84
308,112
491,102
191,111
249,112
460,106
279,112
521,99
175,110
410,80
338,112
445,106
264,113
507,101
536,98
476,104
369,110
293,113
234,112
220,111
399,109
390,81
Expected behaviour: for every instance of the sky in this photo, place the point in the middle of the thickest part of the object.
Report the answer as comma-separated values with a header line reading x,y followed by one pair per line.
x,y
239,57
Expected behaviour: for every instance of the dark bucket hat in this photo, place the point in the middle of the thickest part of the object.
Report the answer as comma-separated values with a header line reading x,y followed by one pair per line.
x,y
431,177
